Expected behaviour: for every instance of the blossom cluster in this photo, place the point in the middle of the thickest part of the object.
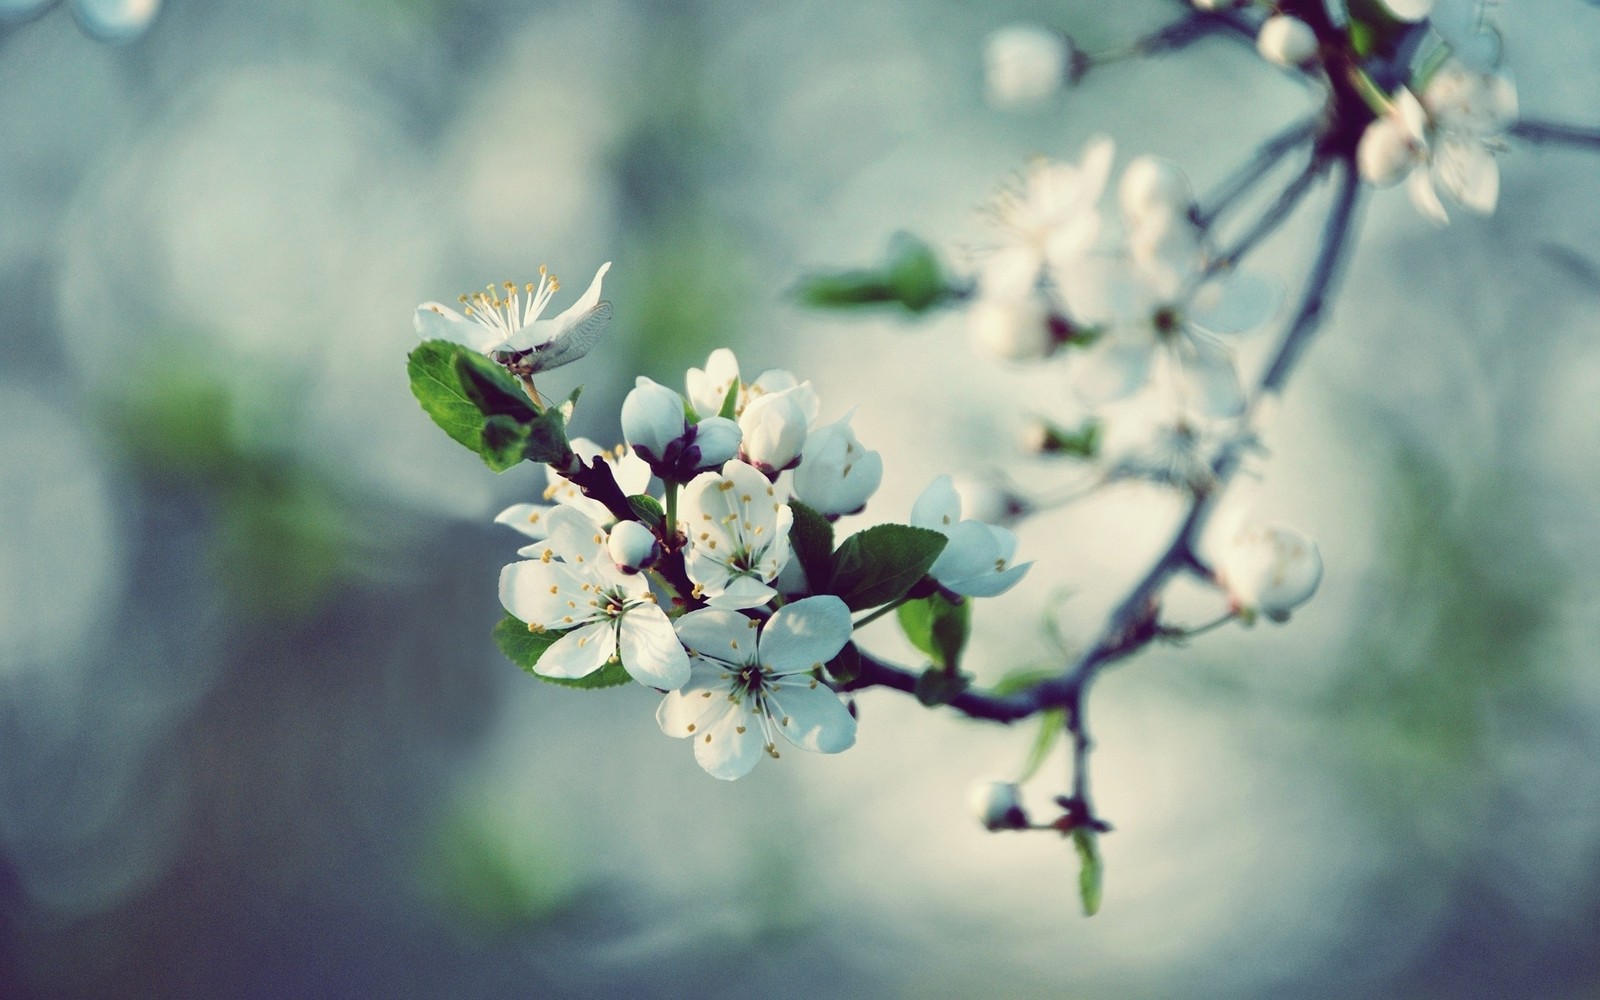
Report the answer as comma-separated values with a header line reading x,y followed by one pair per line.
x,y
696,588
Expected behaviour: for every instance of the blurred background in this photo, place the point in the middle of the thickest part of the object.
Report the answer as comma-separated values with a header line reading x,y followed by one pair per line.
x,y
255,740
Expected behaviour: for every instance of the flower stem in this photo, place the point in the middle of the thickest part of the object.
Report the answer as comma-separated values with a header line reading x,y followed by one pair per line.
x,y
669,527
892,605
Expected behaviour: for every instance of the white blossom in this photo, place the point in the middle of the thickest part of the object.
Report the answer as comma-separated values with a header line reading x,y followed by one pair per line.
x,y
750,683
836,474
499,319
1286,41
1011,329
571,585
998,805
655,425
1149,309
1269,571
736,531
1051,218
1444,140
629,470
708,387
1025,63
1409,10
976,561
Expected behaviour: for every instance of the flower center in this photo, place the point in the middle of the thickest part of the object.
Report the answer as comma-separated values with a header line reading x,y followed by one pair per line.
x,y
501,308
1167,321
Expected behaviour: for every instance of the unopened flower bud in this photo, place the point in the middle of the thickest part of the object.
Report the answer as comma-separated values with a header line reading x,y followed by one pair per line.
x,y
1269,571
1025,64
716,439
774,427
1409,10
632,546
1387,152
1152,190
998,806
836,474
652,419
1286,41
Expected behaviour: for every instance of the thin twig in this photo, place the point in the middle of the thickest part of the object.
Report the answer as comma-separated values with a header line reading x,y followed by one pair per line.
x,y
1272,218
1249,175
1556,134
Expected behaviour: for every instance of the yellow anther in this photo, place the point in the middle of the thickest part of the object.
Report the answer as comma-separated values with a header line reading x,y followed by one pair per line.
x,y
690,727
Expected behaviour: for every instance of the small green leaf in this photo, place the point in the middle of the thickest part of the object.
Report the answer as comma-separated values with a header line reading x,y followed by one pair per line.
x,y
1080,442
914,273
1019,680
436,383
811,537
939,687
491,388
880,564
730,402
1051,725
503,442
1091,870
938,627
547,437
648,508
910,277
524,648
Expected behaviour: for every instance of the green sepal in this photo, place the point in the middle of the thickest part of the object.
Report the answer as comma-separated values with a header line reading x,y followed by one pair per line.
x,y
811,538
524,648
1091,870
910,277
936,686
730,402
845,667
648,509
938,627
1080,442
880,564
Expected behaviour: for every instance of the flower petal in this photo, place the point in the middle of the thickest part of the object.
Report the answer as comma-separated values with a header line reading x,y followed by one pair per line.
x,y
741,592
538,593
811,716
1209,379
683,712
1113,369
726,636
436,321
731,742
1467,171
580,652
576,539
805,634
528,518
938,508
1420,187
651,652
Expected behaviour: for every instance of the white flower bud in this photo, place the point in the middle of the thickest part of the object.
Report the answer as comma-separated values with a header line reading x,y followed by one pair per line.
x,y
836,474
652,418
1270,571
115,20
1025,64
717,439
1010,329
1409,10
1286,41
1152,190
998,805
774,427
632,546
1210,5
1387,152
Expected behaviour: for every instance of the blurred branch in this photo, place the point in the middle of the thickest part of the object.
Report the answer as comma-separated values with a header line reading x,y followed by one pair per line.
x,y
1556,134
1273,217
1250,174
1133,624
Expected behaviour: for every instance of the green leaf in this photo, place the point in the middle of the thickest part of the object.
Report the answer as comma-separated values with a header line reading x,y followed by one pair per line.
x,y
491,388
524,648
1080,442
938,627
436,382
914,273
939,687
503,442
648,509
1091,870
846,667
547,435
880,564
811,537
1051,725
911,277
1020,679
